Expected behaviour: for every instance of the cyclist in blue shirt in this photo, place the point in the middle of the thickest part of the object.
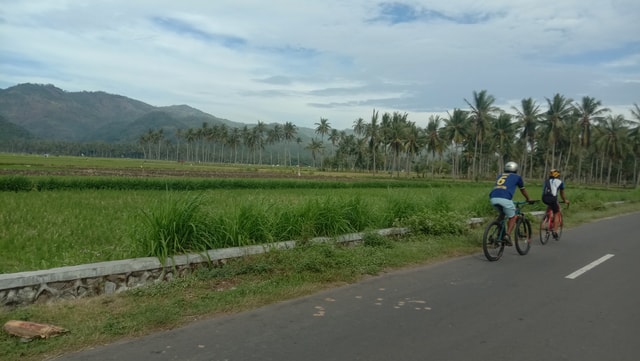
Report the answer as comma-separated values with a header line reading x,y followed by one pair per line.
x,y
501,196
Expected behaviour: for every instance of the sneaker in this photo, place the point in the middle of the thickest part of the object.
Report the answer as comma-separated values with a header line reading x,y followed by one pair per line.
x,y
507,240
555,234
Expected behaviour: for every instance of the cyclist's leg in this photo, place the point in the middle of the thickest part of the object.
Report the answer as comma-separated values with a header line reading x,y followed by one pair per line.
x,y
548,216
559,223
509,210
555,208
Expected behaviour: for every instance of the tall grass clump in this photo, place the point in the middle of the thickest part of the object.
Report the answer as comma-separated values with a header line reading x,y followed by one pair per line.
x,y
437,218
436,223
400,207
326,217
174,226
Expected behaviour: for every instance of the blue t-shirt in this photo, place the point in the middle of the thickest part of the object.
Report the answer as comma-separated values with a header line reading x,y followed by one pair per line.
x,y
505,186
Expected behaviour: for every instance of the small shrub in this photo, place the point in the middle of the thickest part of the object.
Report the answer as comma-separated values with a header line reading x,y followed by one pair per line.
x,y
376,240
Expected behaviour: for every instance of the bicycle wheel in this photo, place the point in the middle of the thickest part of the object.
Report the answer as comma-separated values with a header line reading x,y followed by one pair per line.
x,y
545,232
523,235
492,244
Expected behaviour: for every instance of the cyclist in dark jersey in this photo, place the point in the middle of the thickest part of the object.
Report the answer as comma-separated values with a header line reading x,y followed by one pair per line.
x,y
502,195
552,187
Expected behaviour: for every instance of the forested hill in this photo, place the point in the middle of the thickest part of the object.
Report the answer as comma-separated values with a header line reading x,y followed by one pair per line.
x,y
48,112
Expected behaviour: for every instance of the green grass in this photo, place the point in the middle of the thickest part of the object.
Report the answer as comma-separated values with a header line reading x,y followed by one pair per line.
x,y
47,229
62,228
239,285
73,225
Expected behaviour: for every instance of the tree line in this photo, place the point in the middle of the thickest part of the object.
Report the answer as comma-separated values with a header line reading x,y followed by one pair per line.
x,y
583,138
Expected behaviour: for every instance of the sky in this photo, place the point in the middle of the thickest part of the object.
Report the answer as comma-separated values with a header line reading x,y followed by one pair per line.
x,y
302,60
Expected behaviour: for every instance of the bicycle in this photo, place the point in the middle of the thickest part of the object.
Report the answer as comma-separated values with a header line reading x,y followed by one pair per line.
x,y
492,239
546,226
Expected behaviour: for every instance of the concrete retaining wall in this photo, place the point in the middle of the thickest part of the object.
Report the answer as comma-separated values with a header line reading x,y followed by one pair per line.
x,y
17,289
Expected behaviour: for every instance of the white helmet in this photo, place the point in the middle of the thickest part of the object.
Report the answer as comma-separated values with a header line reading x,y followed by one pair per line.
x,y
511,167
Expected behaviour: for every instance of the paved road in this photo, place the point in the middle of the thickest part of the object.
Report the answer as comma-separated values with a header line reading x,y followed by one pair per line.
x,y
519,308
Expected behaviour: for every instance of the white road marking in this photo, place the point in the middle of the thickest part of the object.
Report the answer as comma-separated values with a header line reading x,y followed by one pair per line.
x,y
586,268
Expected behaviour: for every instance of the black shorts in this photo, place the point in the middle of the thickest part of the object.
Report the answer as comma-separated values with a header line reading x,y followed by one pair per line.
x,y
552,203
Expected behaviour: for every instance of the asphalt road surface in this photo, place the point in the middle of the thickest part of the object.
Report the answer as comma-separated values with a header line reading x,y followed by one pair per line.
x,y
575,299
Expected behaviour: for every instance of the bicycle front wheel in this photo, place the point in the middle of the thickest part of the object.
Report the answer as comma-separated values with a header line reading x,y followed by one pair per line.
x,y
523,236
545,232
492,244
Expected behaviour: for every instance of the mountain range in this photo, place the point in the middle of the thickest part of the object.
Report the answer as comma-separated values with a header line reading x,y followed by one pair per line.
x,y
47,112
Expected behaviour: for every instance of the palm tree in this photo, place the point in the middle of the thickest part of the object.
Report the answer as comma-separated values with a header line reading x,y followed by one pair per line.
x,y
145,140
395,135
589,110
234,140
323,129
359,126
289,133
274,136
190,137
560,110
503,132
413,144
373,132
315,147
245,135
178,137
455,131
258,135
202,136
222,136
334,137
433,142
157,139
482,110
613,138
528,119
298,142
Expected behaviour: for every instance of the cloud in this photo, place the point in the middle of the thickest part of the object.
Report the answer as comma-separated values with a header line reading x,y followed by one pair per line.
x,y
399,13
184,28
286,60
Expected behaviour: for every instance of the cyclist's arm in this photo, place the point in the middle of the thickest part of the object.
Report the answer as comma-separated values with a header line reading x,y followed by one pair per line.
x,y
564,198
525,194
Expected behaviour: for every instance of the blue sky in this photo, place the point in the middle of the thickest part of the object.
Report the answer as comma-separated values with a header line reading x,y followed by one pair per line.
x,y
301,60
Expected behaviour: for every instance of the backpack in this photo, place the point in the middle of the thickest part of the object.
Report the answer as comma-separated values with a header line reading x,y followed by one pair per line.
x,y
547,193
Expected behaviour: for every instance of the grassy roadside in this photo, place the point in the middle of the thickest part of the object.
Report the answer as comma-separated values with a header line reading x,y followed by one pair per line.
x,y
238,286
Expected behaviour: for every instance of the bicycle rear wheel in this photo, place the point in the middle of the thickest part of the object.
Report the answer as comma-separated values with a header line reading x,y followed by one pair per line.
x,y
559,227
492,244
545,232
523,235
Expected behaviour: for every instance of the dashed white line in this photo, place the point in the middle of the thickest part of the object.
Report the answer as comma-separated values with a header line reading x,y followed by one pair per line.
x,y
586,268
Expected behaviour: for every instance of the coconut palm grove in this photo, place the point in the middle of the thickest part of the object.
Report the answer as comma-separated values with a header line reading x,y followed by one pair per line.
x,y
583,138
